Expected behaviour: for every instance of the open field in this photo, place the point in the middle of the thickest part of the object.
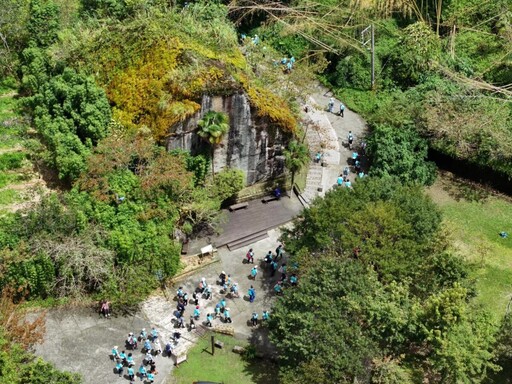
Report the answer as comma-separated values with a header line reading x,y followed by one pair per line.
x,y
475,217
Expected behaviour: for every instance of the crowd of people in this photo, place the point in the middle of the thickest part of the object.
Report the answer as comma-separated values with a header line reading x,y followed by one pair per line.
x,y
151,348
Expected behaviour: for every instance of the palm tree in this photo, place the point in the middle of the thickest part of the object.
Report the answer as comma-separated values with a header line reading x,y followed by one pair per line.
x,y
296,156
212,128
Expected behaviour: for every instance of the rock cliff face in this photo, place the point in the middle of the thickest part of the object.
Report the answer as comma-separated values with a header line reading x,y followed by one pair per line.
x,y
252,144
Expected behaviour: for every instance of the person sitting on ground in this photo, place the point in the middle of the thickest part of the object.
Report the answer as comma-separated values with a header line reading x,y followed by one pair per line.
x,y
361,174
278,289
277,193
348,184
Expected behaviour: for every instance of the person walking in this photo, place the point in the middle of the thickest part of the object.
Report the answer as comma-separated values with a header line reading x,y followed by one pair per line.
x,y
342,110
350,139
274,267
197,313
131,373
254,319
222,304
278,289
331,104
227,315
254,272
252,294
339,181
115,353
209,319
348,184
142,372
119,368
279,252
250,256
265,316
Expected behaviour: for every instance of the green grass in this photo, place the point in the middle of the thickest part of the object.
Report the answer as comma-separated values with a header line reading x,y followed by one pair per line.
x,y
9,196
475,228
223,367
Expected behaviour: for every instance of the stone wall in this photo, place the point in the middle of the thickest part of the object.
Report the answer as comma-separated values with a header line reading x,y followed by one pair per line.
x,y
252,144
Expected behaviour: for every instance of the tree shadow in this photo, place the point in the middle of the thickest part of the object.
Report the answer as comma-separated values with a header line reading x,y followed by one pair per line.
x,y
462,189
261,357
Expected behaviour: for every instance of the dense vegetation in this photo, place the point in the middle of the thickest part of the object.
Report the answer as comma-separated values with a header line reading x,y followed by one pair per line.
x,y
382,296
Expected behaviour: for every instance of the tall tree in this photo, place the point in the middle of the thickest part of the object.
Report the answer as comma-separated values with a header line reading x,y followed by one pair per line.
x,y
212,128
296,156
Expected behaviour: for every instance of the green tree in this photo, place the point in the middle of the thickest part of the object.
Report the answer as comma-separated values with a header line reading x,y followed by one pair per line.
x,y
212,128
400,152
296,156
43,23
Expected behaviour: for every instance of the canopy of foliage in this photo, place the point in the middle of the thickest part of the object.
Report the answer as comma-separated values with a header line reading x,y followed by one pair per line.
x,y
380,296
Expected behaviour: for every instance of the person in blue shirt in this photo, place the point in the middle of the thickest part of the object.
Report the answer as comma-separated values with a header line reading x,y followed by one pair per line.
x,y
293,279
342,113
222,304
147,345
119,369
348,184
154,333
277,288
252,294
122,356
209,319
234,290
254,272
361,174
318,157
151,377
143,334
129,360
217,310
115,353
254,319
131,373
265,316
197,313
227,315
142,372
355,155
340,180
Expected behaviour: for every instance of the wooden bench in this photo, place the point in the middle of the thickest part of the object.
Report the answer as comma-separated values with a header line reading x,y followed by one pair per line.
x,y
235,207
184,248
267,199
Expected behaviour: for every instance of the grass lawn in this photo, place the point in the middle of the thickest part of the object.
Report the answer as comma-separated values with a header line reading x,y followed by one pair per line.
x,y
475,225
224,367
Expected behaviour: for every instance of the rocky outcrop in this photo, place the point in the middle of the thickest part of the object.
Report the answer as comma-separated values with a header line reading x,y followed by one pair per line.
x,y
252,144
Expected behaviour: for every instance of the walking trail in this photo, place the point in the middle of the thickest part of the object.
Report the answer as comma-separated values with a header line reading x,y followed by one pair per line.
x,y
328,132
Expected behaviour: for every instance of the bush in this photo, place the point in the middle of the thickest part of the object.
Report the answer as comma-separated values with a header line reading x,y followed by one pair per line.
x,y
400,152
11,160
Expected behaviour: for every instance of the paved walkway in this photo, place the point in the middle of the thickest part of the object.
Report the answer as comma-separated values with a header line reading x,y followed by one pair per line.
x,y
327,132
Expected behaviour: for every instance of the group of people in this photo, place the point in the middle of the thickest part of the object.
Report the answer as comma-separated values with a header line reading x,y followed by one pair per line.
x,y
330,107
343,178
151,348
